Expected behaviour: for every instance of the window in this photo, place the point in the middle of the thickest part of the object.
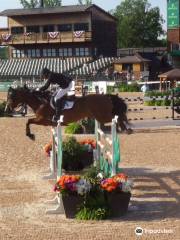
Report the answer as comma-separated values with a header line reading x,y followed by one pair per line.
x,y
17,53
82,52
17,30
31,53
49,52
61,52
65,52
33,29
48,28
86,52
81,27
65,28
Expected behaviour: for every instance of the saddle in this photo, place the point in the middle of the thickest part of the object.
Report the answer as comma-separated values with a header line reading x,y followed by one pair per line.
x,y
67,102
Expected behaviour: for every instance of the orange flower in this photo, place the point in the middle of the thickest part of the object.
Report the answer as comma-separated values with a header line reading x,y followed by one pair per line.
x,y
48,148
65,179
109,184
120,177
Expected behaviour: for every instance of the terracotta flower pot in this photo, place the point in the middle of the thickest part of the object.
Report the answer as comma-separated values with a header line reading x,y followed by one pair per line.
x,y
118,202
71,204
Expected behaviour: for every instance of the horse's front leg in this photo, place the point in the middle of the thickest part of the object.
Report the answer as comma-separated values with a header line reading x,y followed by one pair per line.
x,y
37,121
28,130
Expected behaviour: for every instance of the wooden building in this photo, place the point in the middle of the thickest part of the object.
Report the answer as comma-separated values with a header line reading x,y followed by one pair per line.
x,y
135,65
59,32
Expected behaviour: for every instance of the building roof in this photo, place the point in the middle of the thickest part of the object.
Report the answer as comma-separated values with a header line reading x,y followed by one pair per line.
x,y
173,74
52,10
132,59
16,68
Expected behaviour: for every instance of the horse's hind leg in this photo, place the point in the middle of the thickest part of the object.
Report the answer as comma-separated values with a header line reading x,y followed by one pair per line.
x,y
121,123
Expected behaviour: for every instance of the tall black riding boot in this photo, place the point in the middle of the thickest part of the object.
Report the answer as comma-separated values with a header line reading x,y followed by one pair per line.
x,y
58,110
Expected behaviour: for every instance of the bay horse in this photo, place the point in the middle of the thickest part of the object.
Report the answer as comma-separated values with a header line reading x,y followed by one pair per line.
x,y
100,107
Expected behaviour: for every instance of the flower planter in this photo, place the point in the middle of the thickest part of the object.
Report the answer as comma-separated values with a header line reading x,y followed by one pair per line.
x,y
118,202
71,203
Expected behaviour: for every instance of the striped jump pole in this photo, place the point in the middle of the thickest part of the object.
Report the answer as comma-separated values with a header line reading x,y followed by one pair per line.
x,y
107,155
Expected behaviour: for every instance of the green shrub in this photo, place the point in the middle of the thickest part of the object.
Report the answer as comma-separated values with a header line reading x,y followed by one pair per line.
x,y
88,125
72,154
129,88
110,89
150,103
74,128
157,94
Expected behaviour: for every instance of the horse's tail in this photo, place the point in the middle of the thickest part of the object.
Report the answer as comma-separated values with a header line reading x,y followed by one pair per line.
x,y
119,108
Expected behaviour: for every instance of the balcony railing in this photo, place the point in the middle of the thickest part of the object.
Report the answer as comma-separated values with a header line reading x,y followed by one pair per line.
x,y
50,37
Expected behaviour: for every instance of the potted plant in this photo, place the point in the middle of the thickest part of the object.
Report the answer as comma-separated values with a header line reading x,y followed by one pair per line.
x,y
76,155
117,190
72,190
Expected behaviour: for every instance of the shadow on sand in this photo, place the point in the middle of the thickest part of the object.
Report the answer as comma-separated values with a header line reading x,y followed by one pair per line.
x,y
155,195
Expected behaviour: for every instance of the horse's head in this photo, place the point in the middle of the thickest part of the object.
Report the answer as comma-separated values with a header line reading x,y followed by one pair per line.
x,y
45,73
15,98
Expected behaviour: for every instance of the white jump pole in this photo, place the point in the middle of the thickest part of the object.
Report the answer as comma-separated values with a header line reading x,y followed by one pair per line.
x,y
58,167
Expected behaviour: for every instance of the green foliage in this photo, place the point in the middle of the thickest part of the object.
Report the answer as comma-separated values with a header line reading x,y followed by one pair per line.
x,y
88,124
110,89
157,94
85,2
139,25
95,208
30,3
85,125
72,154
74,128
36,3
129,88
4,53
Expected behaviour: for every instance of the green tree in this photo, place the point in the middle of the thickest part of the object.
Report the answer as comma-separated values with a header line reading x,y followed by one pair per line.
x,y
85,2
36,3
139,25
3,52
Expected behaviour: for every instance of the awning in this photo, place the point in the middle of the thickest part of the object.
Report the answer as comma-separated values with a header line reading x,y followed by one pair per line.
x,y
32,67
16,68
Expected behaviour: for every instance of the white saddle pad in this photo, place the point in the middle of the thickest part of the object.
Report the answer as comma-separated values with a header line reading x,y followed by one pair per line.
x,y
68,105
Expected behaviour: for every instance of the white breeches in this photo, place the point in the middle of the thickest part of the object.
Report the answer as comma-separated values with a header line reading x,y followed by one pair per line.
x,y
61,92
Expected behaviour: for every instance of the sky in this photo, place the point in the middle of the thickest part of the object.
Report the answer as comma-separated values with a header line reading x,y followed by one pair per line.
x,y
105,4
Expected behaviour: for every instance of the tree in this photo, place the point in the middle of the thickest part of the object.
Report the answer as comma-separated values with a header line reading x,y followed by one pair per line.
x,y
139,25
36,3
85,2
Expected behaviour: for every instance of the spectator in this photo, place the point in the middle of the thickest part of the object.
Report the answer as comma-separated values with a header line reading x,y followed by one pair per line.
x,y
145,88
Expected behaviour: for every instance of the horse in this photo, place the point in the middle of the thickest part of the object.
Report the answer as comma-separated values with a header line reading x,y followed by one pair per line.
x,y
101,107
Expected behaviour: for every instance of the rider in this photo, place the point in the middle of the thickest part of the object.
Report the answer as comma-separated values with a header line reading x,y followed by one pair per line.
x,y
65,84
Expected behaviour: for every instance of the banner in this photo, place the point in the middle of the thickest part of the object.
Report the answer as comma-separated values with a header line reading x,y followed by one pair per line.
x,y
53,35
78,34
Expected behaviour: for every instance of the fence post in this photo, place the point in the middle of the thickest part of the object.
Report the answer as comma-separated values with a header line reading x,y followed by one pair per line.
x,y
172,103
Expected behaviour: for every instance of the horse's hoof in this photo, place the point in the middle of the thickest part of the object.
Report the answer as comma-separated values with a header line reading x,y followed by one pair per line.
x,y
31,136
129,131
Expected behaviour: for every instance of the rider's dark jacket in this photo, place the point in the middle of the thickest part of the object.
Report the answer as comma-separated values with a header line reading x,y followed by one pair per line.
x,y
57,78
